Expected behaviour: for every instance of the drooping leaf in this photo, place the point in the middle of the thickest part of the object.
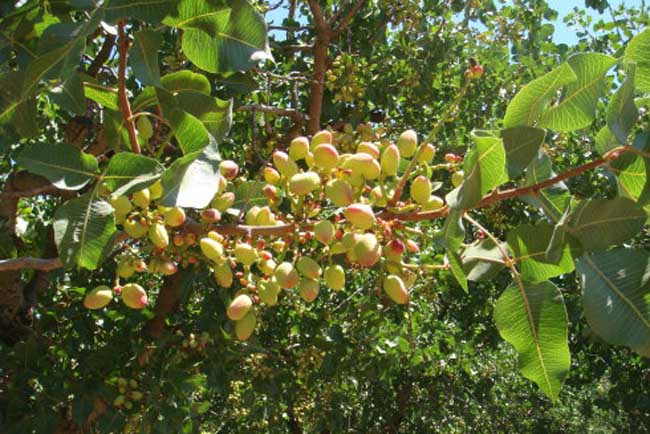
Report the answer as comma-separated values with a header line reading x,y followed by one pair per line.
x,y
63,165
532,317
70,94
529,103
577,107
616,296
522,145
215,114
143,56
128,172
82,228
190,132
552,200
456,266
601,223
248,194
637,51
632,172
17,111
528,244
621,111
192,180
482,260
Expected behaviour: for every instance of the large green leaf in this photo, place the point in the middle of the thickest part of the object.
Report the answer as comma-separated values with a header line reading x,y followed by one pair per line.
x,y
637,51
190,132
215,114
63,165
128,172
631,172
482,260
522,145
532,317
17,111
102,95
82,229
176,83
69,94
456,267
616,296
577,107
485,169
228,36
143,56
151,11
529,244
192,180
552,200
601,223
621,111
529,103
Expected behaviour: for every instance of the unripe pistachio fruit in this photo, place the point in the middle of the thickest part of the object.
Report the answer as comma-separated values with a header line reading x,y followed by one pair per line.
x,y
145,129
223,275
175,217
286,275
335,277
395,249
298,148
421,189
251,215
158,235
324,232
457,178
320,138
268,291
302,184
326,156
125,268
239,307
134,296
244,327
396,290
339,192
308,267
427,153
407,143
122,205
362,165
390,160
135,229
434,203
212,249
98,298
156,190
228,169
264,217
368,148
367,250
245,253
142,198
308,289
224,201
271,175
360,215
211,215
284,164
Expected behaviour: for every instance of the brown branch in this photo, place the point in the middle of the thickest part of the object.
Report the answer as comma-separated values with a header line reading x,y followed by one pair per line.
x,y
294,47
31,263
320,51
102,56
166,304
124,99
291,113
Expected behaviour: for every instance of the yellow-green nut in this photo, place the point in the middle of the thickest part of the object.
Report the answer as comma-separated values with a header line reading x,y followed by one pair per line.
x,y
212,249
142,198
421,189
308,267
286,275
339,192
251,215
335,277
434,203
267,266
324,232
264,217
457,178
377,197
145,129
407,143
338,248
363,165
308,289
369,148
302,184
224,201
268,291
98,298
158,235
244,327
360,215
271,175
390,160
135,229
156,190
125,268
223,275
245,254
175,217
285,165
326,156
367,250
134,296
321,137
396,290
239,307
122,205
298,148
427,153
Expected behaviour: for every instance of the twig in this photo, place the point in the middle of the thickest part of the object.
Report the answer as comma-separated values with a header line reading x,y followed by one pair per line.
x,y
31,263
102,56
124,99
292,113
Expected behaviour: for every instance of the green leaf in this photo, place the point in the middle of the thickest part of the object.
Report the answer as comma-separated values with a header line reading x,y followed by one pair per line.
x,y
485,169
151,11
221,38
605,140
143,56
552,200
529,103
102,95
632,172
238,83
577,107
482,260
528,244
215,114
616,298
186,81
522,145
63,165
115,132
621,111
248,194
601,223
637,51
190,132
69,95
192,180
128,172
456,266
532,317
16,110
453,230
82,229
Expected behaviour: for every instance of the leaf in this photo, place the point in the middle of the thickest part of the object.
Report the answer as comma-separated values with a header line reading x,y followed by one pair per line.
x,y
63,165
220,39
482,260
616,298
532,317
215,114
528,104
143,57
605,140
128,172
632,172
82,229
453,230
521,145
621,111
248,194
637,51
189,131
176,83
577,107
528,244
151,11
601,223
552,200
456,266
17,111
485,169
102,95
115,132
238,83
69,95
192,180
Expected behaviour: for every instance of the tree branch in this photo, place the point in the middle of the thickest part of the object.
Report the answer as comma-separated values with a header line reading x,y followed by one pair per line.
x,y
124,99
345,21
320,51
102,55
